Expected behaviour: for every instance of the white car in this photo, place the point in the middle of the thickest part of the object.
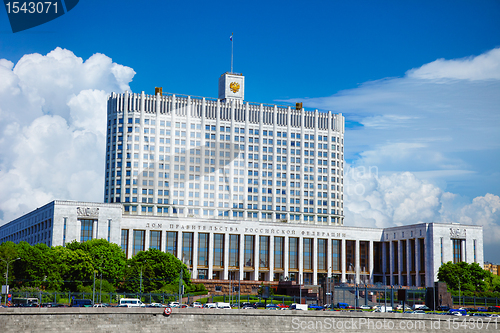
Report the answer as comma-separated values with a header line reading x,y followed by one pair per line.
x,y
197,305
365,307
173,304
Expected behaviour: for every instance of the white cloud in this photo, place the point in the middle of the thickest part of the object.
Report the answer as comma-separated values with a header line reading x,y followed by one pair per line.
x,y
434,131
398,199
483,67
53,128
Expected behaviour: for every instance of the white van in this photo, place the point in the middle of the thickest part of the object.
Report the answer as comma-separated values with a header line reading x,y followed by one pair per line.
x,y
131,303
223,305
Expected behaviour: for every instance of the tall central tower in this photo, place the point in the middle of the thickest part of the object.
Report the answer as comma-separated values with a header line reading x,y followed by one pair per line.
x,y
232,87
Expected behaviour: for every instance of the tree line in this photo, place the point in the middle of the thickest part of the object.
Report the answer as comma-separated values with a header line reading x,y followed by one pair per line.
x,y
469,279
73,268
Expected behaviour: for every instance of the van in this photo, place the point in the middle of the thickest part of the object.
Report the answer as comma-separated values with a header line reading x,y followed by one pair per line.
x,y
296,306
222,305
131,303
383,309
80,303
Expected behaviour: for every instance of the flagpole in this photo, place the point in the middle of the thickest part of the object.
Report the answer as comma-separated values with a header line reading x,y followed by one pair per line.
x,y
232,52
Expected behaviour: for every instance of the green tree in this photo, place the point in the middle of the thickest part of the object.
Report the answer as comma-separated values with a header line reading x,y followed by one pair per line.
x,y
107,258
464,276
160,271
8,253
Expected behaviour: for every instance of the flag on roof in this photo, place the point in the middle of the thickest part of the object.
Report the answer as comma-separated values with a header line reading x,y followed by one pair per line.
x,y
231,38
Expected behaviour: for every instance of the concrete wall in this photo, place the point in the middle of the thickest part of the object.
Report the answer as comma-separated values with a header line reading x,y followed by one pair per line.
x,y
231,321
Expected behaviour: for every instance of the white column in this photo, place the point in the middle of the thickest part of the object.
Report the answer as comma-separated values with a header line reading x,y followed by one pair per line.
x,y
195,255
179,245
256,258
315,260
301,259
391,263
271,258
286,257
210,255
226,256
329,257
370,261
357,261
342,261
147,234
130,242
242,256
462,250
163,245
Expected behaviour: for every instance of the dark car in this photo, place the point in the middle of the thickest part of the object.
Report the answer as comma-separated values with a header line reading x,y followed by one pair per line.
x,y
494,309
259,305
443,308
87,303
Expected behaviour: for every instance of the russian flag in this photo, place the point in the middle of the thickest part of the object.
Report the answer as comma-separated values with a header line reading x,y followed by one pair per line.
x,y
231,38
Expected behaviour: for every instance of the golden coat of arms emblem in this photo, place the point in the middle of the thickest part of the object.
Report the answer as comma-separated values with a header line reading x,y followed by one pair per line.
x,y
234,86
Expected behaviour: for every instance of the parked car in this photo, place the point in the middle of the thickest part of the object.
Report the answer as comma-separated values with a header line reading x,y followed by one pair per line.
x,y
365,307
173,304
315,307
272,307
342,306
417,312
81,303
197,305
494,309
443,308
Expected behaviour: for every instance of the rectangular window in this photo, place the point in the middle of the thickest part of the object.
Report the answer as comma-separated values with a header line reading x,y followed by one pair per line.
x,y
202,251
377,257
474,243
87,228
293,253
421,252
124,241
322,265
155,240
218,250
457,250
308,253
387,258
279,243
350,255
171,243
336,255
264,251
64,231
234,250
364,256
395,252
403,256
187,248
138,246
249,250
412,255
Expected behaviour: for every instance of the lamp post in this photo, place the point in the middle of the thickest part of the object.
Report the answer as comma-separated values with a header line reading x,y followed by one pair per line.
x,y
459,290
7,275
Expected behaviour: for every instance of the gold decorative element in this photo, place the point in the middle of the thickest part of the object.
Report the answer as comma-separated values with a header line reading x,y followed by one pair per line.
x,y
234,86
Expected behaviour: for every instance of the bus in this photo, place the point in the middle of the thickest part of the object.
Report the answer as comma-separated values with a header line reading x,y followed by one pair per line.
x,y
30,301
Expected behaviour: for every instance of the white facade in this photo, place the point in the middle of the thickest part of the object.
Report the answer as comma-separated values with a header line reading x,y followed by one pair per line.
x,y
261,250
180,156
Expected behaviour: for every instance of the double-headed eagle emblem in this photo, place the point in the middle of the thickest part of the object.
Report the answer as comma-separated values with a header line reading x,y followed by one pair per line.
x,y
234,86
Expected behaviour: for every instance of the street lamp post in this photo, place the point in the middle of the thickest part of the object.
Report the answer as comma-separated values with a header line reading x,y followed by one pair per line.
x,y
7,275
459,290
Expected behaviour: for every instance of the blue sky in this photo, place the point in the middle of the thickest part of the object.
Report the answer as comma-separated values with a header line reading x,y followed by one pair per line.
x,y
418,83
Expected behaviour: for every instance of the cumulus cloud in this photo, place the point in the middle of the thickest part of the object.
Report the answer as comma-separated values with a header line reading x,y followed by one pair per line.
x,y
483,67
53,128
433,136
373,200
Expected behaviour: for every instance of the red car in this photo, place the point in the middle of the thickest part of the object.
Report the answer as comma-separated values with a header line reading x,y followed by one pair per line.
x,y
282,306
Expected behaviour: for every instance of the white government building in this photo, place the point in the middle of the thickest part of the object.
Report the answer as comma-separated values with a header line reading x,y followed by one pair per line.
x,y
240,190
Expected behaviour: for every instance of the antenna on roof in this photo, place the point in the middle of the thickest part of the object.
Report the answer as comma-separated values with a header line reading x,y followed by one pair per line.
x,y
231,39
